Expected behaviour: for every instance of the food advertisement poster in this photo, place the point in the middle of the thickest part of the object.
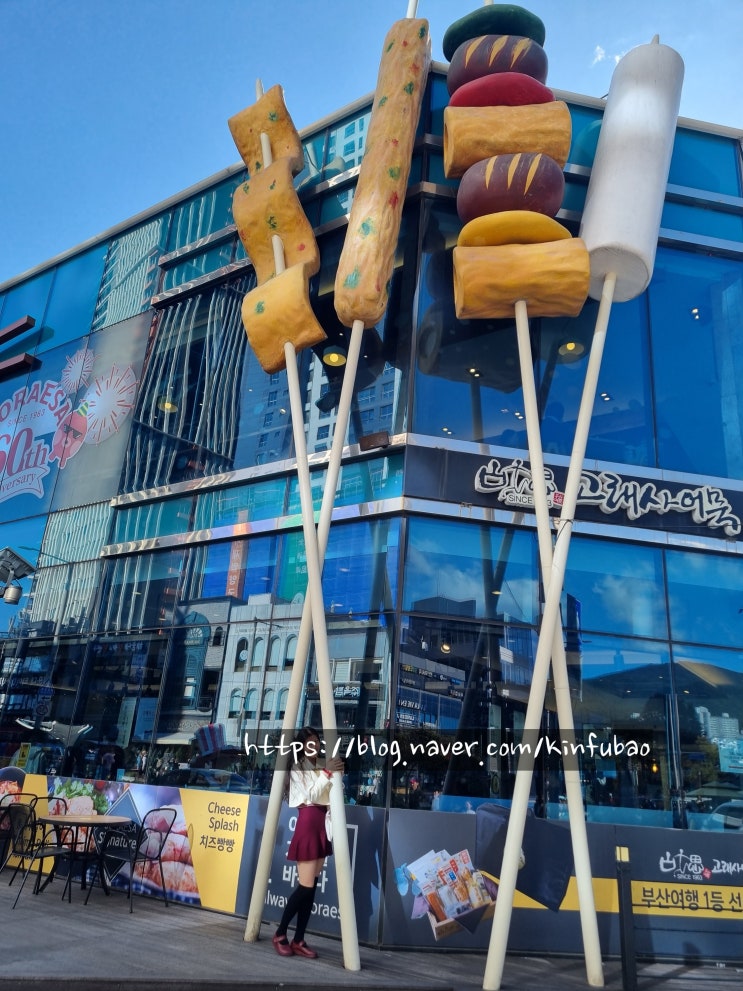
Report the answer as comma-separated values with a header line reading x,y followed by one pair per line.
x,y
201,857
683,882
441,871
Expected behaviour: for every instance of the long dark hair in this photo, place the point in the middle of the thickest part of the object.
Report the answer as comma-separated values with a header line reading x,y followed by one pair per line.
x,y
303,735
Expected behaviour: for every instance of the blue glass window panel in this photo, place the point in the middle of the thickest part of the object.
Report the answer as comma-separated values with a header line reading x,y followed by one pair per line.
x,y
702,220
700,160
336,142
204,214
241,504
710,713
76,534
574,198
216,571
585,134
704,598
620,690
334,204
200,364
73,298
621,426
28,298
260,571
450,401
153,519
130,278
64,597
706,161
435,165
364,481
416,170
361,568
467,570
240,568
24,537
197,266
438,101
140,591
695,304
618,587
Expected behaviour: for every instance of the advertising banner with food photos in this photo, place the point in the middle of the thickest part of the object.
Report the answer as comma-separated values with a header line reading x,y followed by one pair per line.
x,y
439,881
202,855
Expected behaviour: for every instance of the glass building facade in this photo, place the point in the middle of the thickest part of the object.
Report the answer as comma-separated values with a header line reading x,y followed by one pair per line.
x,y
147,478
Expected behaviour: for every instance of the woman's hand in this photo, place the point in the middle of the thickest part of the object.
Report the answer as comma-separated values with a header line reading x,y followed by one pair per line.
x,y
334,764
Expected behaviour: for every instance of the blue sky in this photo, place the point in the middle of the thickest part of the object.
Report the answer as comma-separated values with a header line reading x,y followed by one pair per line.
x,y
108,107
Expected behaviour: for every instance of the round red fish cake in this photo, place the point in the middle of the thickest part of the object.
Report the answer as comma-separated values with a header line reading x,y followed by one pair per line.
x,y
526,181
502,89
494,53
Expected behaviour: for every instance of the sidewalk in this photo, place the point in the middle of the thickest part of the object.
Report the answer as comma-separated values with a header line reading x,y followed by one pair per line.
x,y
101,947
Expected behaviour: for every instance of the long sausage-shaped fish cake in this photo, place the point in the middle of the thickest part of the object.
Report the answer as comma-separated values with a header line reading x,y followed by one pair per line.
x,y
367,259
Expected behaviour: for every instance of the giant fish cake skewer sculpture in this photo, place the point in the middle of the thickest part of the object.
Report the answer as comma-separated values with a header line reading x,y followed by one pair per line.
x,y
368,255
266,207
620,230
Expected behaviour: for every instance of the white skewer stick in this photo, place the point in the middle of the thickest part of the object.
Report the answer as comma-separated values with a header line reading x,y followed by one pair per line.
x,y
532,720
304,637
346,907
344,879
550,616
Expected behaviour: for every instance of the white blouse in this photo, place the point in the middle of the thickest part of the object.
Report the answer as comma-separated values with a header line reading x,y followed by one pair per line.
x,y
308,785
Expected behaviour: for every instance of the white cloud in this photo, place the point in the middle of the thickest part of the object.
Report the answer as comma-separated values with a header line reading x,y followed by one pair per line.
x,y
600,55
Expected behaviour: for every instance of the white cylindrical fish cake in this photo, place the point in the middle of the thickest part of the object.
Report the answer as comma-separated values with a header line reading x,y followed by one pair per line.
x,y
628,180
367,259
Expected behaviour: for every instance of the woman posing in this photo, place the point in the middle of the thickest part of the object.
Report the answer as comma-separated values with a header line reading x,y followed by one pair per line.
x,y
309,793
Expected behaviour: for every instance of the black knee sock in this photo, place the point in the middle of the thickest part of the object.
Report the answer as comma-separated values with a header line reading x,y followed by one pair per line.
x,y
304,912
293,907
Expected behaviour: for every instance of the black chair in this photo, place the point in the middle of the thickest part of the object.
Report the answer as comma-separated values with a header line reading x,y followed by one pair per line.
x,y
22,829
27,797
142,847
32,842
5,802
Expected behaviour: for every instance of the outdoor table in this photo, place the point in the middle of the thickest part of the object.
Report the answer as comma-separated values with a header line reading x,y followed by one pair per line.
x,y
83,827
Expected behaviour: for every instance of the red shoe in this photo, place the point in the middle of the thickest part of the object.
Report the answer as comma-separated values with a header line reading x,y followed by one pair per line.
x,y
282,947
302,950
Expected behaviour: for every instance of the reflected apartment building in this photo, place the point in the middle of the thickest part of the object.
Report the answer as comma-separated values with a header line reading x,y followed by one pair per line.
x,y
148,478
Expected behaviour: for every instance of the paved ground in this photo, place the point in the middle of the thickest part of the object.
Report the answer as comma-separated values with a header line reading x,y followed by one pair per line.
x,y
101,947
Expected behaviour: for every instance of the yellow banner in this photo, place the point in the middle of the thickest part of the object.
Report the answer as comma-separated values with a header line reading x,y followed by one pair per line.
x,y
217,825
705,901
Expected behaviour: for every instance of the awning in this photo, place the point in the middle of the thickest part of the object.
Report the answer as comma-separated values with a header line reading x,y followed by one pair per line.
x,y
175,739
